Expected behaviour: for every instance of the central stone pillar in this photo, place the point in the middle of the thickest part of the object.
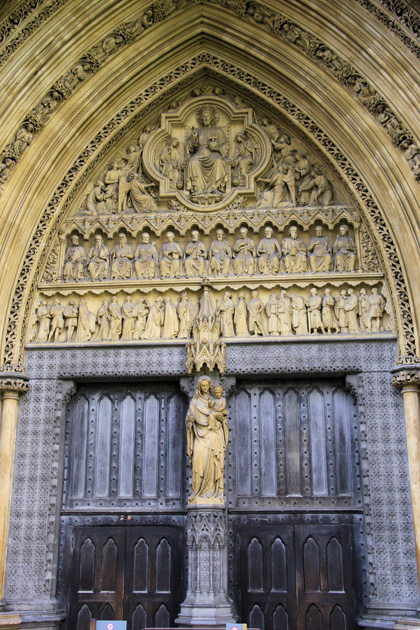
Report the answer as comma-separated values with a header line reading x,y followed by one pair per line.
x,y
206,603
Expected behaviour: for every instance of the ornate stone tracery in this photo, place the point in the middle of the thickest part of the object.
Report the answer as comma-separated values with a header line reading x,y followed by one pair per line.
x,y
291,109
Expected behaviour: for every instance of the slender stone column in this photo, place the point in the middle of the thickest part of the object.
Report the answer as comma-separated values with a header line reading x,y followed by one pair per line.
x,y
10,386
206,603
407,378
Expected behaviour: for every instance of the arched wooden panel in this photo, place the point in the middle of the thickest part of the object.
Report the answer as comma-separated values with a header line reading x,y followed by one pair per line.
x,y
342,443
139,618
268,443
311,565
87,566
163,567
313,618
163,618
151,446
280,618
255,566
107,612
292,439
243,441
140,566
335,566
127,446
338,619
103,447
256,618
318,445
109,565
278,566
175,446
84,618
80,433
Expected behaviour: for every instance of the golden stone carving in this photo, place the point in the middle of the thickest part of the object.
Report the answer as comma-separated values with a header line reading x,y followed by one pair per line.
x,y
207,437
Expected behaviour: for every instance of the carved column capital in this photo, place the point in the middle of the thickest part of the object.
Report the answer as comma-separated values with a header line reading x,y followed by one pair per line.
x,y
13,382
406,376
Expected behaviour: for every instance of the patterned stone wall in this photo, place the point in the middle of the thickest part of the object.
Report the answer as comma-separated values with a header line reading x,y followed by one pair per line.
x,y
386,552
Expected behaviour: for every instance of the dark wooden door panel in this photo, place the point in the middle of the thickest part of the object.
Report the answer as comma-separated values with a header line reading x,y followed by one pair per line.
x,y
130,573
152,584
268,584
297,577
97,578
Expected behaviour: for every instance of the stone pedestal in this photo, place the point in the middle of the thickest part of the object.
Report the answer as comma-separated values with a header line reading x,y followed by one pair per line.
x,y
206,603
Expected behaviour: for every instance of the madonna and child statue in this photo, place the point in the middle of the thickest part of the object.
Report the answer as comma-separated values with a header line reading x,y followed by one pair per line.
x,y
207,437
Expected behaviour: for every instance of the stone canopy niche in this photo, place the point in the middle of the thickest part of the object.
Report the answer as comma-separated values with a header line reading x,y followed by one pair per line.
x,y
217,192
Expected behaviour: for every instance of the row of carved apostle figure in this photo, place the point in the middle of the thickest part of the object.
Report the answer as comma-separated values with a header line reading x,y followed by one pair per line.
x,y
244,258
283,314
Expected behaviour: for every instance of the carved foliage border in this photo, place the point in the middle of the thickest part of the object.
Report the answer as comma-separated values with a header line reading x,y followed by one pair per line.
x,y
15,338
399,18
273,22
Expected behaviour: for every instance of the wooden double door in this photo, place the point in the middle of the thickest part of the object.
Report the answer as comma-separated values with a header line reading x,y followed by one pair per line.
x,y
297,577
130,573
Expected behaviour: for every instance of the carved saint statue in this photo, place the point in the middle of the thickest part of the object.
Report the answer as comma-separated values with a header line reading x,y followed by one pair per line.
x,y
155,321
243,159
281,191
314,312
240,317
57,320
220,254
376,310
269,253
207,436
102,318
170,163
244,249
122,256
170,257
226,311
344,251
43,316
294,252
186,316
284,314
171,325
206,149
320,258
98,260
328,315
195,256
75,258
145,258
70,313
255,310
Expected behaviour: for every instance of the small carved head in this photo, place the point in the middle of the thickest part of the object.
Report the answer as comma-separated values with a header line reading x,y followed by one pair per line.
x,y
318,230
75,239
243,232
344,230
122,238
195,235
145,237
293,231
254,293
313,291
217,391
375,291
170,236
268,231
220,234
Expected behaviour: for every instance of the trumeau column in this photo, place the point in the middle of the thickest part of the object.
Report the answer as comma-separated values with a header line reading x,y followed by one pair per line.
x,y
11,386
407,378
207,602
